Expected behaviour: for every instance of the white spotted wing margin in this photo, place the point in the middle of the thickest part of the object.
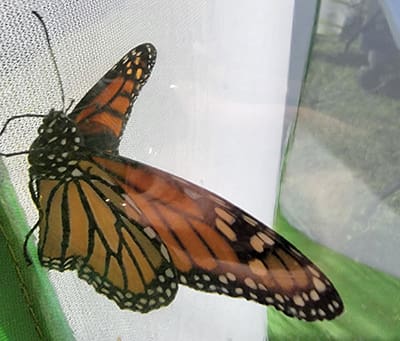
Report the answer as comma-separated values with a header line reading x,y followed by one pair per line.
x,y
217,247
270,271
84,226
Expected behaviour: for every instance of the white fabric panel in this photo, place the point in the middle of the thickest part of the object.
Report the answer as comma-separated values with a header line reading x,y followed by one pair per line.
x,y
212,113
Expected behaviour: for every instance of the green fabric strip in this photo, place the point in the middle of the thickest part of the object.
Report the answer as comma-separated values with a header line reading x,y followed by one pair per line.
x,y
29,306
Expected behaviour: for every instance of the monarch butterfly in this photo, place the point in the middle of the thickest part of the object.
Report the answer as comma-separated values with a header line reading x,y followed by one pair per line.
x,y
135,232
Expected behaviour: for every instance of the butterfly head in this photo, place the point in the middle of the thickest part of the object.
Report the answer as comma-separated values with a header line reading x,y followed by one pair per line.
x,y
54,151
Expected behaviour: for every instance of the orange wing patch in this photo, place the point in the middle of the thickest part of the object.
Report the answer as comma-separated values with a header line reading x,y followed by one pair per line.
x,y
102,114
82,229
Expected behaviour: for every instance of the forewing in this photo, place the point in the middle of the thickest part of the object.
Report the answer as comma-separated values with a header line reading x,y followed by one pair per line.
x,y
84,226
103,112
217,247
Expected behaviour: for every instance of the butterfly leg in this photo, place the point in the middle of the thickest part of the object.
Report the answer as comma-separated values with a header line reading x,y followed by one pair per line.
x,y
17,117
26,255
35,198
5,127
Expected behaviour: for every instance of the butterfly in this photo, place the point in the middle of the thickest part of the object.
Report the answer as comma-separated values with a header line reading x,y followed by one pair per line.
x,y
135,232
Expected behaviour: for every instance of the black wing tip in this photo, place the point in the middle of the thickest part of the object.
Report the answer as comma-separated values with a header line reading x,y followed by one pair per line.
x,y
147,48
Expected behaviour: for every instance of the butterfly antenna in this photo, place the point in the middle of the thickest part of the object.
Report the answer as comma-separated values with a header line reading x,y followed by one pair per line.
x,y
53,58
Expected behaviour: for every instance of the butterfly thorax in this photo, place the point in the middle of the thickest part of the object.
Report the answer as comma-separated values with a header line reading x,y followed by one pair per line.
x,y
55,152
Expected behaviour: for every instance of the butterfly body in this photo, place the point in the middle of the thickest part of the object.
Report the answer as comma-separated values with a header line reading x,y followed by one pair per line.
x,y
56,150
61,167
135,232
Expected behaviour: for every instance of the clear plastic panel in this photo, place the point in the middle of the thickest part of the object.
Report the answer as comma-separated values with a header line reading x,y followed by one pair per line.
x,y
340,184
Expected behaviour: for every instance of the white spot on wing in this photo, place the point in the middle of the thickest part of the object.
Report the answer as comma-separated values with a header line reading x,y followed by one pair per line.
x,y
165,253
223,279
131,203
150,232
76,172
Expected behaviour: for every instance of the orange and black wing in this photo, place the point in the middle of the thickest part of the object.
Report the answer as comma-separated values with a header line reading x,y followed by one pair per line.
x,y
216,247
102,113
84,225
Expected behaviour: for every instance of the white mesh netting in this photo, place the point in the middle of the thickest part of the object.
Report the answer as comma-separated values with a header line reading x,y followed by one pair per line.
x,y
211,111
